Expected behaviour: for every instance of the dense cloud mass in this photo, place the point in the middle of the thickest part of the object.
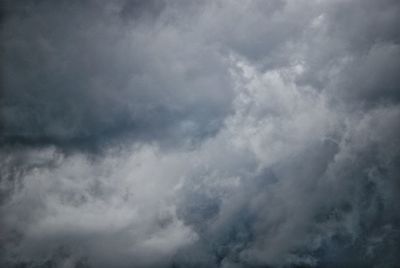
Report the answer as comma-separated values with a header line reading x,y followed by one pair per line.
x,y
172,133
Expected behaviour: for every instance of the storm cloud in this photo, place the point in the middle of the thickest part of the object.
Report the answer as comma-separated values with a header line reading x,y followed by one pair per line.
x,y
171,133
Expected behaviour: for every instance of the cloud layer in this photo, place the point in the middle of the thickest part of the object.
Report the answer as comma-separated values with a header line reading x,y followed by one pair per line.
x,y
200,134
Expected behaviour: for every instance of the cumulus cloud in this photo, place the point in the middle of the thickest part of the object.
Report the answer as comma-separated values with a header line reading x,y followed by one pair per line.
x,y
200,134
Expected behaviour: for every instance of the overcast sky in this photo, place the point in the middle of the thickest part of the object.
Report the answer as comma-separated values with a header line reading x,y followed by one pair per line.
x,y
209,133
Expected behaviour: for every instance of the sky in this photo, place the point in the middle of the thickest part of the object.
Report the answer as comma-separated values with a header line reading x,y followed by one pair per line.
x,y
204,133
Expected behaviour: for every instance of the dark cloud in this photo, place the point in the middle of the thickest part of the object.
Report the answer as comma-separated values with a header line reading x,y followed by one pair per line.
x,y
76,74
140,10
200,134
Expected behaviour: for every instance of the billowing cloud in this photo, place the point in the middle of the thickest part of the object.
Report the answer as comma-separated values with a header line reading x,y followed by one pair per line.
x,y
200,134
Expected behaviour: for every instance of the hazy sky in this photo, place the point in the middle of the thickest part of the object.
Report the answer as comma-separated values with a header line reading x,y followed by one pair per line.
x,y
209,133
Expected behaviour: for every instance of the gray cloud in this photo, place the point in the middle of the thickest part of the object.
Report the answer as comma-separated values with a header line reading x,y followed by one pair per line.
x,y
200,134
81,74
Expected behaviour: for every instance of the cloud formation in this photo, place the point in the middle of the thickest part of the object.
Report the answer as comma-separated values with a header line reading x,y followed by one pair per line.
x,y
200,134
